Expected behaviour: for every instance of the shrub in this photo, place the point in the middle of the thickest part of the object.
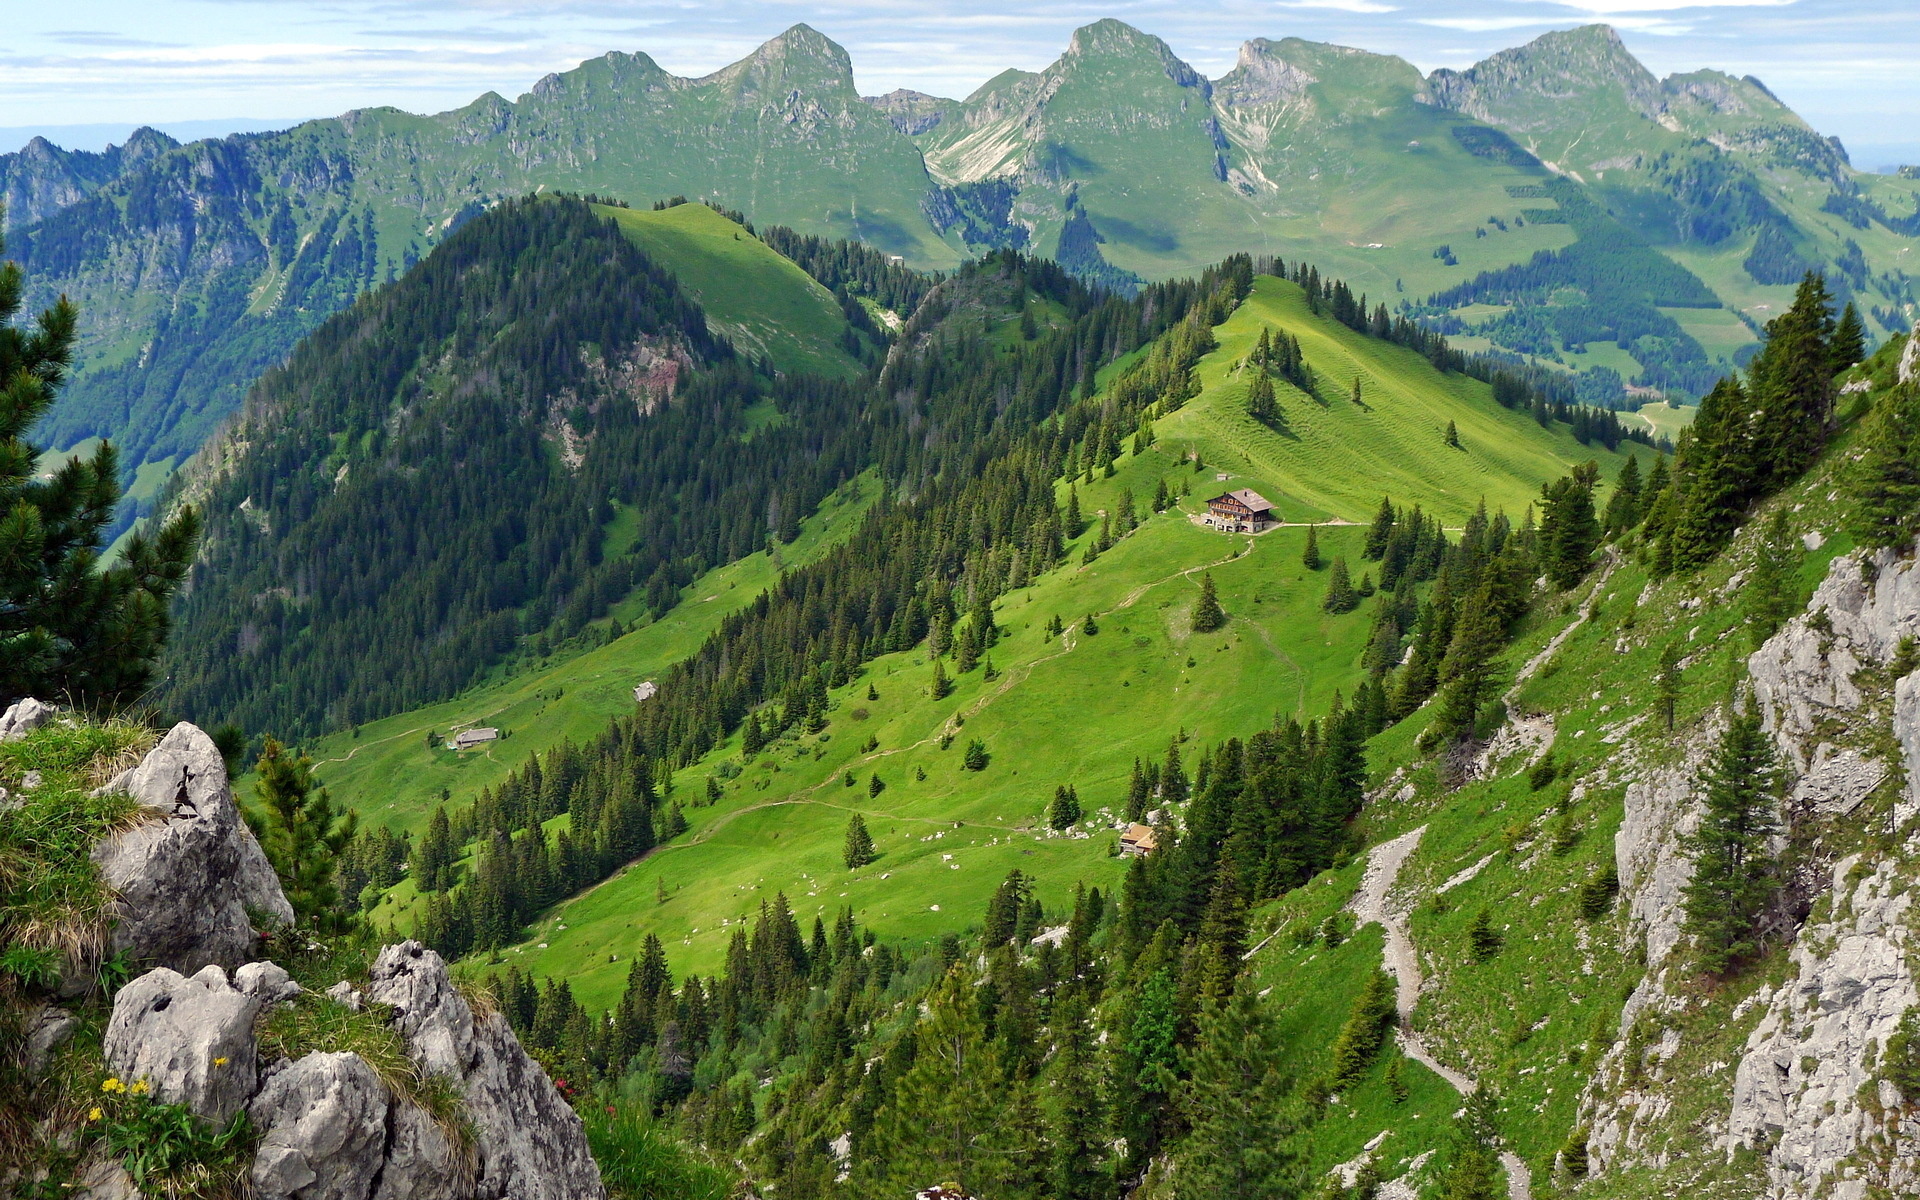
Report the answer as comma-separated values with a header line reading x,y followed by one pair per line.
x,y
1484,939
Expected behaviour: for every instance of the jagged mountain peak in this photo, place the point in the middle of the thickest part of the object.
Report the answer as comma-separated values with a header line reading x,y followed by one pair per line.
x,y
802,56
1556,66
1113,39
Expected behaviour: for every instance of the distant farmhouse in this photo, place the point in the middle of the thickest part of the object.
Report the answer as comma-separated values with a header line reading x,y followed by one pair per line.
x,y
1243,511
1138,841
467,739
645,691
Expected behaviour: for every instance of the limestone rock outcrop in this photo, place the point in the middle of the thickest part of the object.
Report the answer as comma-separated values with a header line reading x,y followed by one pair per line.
x,y
325,1130
330,1127
533,1146
191,1040
1805,1087
23,717
191,882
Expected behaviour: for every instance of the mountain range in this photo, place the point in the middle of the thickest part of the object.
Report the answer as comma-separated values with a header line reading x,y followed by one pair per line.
x,y
199,266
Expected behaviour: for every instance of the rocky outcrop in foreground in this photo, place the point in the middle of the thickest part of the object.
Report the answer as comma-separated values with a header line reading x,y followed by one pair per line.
x,y
190,884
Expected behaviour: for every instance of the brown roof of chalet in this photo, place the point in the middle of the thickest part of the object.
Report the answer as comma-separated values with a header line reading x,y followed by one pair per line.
x,y
1139,835
1247,496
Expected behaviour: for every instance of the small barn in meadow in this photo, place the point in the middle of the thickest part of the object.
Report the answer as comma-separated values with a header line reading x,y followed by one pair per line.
x,y
1138,841
1241,511
467,739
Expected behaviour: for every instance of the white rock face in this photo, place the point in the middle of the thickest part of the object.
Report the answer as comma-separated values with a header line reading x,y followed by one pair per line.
x,y
190,1039
325,1123
187,881
1804,674
1910,360
1798,1088
23,717
530,1144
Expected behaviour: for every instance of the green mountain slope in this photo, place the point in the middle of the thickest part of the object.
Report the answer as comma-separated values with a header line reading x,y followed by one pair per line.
x,y
1077,709
755,298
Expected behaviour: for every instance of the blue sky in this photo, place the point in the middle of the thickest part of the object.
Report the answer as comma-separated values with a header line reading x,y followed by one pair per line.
x,y
1851,67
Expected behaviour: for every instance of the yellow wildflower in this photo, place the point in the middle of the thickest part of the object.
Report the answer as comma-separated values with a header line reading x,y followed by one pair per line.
x,y
112,1084
139,1088
219,1062
94,1115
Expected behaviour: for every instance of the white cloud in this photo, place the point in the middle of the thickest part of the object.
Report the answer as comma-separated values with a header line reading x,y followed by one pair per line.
x,y
1352,6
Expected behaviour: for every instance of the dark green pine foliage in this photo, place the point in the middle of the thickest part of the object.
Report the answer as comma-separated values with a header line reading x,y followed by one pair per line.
x,y
1239,1109
1365,1031
1569,532
303,837
1623,506
1717,467
1310,553
1064,811
1207,613
1341,597
1849,344
69,628
1379,531
1883,481
859,848
1734,875
1261,405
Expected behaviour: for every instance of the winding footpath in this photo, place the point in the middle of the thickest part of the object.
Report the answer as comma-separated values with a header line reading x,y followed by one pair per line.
x,y
1373,904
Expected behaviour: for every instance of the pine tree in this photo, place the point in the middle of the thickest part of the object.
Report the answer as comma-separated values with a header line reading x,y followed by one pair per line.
x,y
859,848
875,784
1733,871
1623,507
1365,1031
1467,671
1849,341
975,758
434,856
1207,613
1261,405
1453,435
1341,598
1074,521
1666,683
1173,777
1569,533
1883,481
1721,474
1357,400
1792,385
1379,532
1237,1108
1482,938
1075,1125
1771,590
1310,554
1064,811
302,836
942,687
68,627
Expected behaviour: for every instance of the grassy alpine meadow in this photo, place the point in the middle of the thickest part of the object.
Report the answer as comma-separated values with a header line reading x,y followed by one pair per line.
x,y
1334,459
753,295
1075,710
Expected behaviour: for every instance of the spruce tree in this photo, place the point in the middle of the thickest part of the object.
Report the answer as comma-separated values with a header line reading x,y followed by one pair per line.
x,y
1569,532
1310,554
1467,671
1666,683
1207,613
1623,507
69,627
1770,592
302,836
859,848
1076,1120
1064,811
1341,598
1849,344
1453,435
975,758
942,687
1883,481
1237,1108
1792,384
1734,878
1379,532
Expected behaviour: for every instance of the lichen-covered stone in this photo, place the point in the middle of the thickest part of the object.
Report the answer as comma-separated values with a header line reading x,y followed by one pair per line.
x,y
191,882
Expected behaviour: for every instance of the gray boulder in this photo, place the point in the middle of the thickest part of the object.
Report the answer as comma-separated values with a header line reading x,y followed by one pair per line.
x,y
324,1130
529,1143
190,1039
23,717
267,982
423,1162
189,882
46,1030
